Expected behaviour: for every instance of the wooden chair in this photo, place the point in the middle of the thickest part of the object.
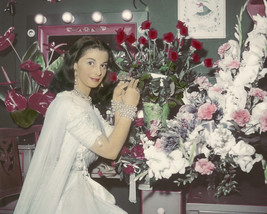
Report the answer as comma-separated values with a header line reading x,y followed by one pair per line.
x,y
10,169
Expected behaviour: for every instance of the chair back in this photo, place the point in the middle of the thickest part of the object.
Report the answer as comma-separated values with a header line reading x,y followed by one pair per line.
x,y
10,170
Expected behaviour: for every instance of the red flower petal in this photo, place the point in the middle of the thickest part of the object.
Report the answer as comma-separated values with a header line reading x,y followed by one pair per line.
x,y
208,62
142,40
173,55
112,77
120,37
15,101
196,44
4,44
40,102
168,37
195,57
153,34
42,78
146,25
130,39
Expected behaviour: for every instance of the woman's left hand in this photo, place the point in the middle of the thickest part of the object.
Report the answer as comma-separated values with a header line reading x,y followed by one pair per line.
x,y
119,91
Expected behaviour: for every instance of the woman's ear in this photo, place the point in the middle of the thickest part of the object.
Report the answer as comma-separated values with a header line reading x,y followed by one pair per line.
x,y
75,66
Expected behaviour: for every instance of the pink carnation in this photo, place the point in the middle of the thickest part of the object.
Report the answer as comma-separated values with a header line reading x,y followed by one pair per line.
x,y
223,48
129,170
241,117
233,65
257,92
263,122
204,167
206,111
203,82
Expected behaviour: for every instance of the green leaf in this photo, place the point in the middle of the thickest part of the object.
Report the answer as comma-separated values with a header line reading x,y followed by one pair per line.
x,y
24,118
34,53
56,65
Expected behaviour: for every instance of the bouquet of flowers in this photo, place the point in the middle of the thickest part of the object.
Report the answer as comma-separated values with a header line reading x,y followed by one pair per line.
x,y
164,66
212,134
31,97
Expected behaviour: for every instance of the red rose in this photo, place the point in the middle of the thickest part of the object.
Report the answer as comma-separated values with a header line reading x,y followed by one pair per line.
x,y
195,57
196,44
130,39
180,24
168,37
184,31
120,37
153,34
173,55
208,62
146,25
142,40
112,77
182,27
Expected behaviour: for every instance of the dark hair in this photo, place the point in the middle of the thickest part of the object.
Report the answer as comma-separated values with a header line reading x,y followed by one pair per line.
x,y
64,78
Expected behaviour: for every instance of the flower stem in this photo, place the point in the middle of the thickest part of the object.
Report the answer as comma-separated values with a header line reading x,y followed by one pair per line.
x,y
14,50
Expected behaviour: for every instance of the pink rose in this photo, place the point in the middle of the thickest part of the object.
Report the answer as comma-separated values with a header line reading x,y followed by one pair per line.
x,y
206,111
204,167
241,117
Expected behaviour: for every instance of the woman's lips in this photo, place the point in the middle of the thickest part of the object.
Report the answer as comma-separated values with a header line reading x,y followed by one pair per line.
x,y
95,79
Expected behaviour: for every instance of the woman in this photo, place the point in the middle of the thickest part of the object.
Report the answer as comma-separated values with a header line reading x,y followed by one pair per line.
x,y
74,134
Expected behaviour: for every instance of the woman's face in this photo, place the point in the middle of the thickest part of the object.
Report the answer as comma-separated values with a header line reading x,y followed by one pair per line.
x,y
91,69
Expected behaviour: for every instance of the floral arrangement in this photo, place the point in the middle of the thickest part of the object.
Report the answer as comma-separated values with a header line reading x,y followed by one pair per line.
x,y
31,97
212,134
164,66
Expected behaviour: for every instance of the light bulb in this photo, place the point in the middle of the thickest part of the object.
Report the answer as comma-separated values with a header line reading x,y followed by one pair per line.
x,y
40,19
127,15
97,16
67,17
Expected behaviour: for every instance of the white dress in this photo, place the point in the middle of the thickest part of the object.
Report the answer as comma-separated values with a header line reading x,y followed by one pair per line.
x,y
58,181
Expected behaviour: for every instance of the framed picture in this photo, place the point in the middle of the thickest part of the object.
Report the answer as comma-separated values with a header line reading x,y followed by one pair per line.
x,y
204,18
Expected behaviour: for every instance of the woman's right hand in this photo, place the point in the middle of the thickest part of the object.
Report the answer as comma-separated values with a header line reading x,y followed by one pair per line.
x,y
132,94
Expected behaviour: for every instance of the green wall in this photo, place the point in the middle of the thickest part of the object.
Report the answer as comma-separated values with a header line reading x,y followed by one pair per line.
x,y
162,14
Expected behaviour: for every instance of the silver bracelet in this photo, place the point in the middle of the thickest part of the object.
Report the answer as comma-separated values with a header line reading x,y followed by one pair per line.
x,y
124,109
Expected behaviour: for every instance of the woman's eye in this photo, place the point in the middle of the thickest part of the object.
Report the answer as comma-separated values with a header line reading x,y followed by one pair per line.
x,y
104,66
90,63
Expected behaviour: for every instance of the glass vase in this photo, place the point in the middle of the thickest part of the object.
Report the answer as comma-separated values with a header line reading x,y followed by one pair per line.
x,y
153,111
